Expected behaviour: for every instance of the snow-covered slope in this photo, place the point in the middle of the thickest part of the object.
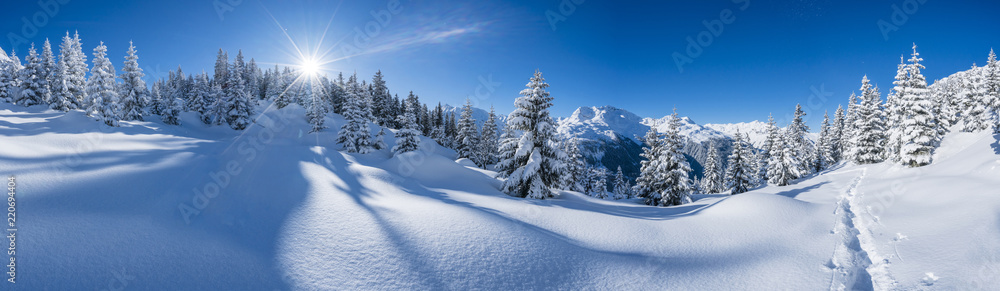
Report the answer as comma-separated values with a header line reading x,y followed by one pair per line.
x,y
101,208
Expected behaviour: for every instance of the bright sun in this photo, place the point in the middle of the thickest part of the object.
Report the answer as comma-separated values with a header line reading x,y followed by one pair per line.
x,y
310,67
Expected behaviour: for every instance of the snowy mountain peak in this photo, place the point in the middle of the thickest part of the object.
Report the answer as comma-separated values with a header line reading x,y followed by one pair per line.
x,y
604,122
3,56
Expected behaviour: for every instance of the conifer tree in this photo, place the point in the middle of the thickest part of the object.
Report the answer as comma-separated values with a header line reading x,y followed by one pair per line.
x,y
621,190
824,149
407,138
172,107
9,81
894,112
574,178
355,135
848,133
71,84
797,132
101,89
869,135
739,174
489,140
467,139
784,164
47,72
537,164
316,111
380,99
837,135
712,180
133,88
598,183
32,81
974,93
238,105
992,89
919,134
201,98
221,69
380,139
508,146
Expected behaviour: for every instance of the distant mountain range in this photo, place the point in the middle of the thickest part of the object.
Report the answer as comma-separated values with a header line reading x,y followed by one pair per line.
x,y
610,137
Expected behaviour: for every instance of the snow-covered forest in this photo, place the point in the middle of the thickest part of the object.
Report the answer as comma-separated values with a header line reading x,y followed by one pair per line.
x,y
619,177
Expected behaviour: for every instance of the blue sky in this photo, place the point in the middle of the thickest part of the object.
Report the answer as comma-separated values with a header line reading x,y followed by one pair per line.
x,y
769,56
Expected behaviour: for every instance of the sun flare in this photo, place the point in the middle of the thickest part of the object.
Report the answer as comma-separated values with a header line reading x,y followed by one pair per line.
x,y
310,67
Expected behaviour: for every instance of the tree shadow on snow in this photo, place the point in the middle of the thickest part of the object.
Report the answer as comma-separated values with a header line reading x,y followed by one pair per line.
x,y
793,193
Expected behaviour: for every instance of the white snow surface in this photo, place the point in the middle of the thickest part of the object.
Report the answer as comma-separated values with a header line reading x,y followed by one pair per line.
x,y
98,206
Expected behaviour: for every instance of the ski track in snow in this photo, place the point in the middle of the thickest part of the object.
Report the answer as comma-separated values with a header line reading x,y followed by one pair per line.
x,y
856,263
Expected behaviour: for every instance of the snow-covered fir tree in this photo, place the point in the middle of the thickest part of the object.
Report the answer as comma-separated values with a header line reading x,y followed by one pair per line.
x,y
467,139
102,89
919,135
380,99
489,141
239,105
379,142
824,149
133,88
797,131
992,89
712,180
216,112
837,135
536,166
9,74
221,69
663,175
505,151
72,70
172,108
408,137
598,182
894,112
649,183
847,135
574,178
316,111
47,72
622,189
869,124
32,83
201,98
741,172
355,134
976,107
784,165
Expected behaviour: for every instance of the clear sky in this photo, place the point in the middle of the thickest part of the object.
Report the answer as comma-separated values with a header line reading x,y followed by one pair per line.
x,y
766,58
